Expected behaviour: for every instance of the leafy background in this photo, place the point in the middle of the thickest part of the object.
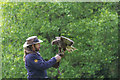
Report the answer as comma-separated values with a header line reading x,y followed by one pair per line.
x,y
92,26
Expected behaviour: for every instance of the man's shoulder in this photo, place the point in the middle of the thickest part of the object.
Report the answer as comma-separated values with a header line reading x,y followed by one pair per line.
x,y
31,55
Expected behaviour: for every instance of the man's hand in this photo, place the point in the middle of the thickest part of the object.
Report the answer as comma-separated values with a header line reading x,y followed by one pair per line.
x,y
61,54
58,57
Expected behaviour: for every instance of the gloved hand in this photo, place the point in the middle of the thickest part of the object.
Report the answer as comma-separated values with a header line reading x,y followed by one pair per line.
x,y
61,54
58,57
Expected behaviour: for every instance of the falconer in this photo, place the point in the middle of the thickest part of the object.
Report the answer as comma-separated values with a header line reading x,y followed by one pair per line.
x,y
36,66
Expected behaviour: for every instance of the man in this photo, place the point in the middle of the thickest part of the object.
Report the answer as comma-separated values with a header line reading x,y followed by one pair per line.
x,y
36,66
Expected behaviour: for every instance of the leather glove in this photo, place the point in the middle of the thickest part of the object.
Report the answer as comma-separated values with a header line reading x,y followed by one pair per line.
x,y
58,57
61,54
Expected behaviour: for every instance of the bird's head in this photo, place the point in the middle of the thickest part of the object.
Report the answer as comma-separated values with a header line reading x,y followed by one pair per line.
x,y
55,42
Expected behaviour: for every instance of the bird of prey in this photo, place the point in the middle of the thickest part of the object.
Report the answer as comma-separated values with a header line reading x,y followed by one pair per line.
x,y
63,43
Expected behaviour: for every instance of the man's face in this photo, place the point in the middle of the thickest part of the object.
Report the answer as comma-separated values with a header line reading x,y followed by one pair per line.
x,y
37,46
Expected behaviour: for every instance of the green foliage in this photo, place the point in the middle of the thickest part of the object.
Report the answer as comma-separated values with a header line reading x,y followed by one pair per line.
x,y
92,26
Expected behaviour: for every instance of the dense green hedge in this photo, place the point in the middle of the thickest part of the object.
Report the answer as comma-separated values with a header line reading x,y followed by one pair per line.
x,y
92,26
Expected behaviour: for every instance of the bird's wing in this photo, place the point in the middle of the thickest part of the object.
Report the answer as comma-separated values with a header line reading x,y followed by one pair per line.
x,y
56,41
70,48
68,41
57,38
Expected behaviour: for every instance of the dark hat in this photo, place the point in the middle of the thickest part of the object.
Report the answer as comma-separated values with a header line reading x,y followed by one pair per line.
x,y
31,40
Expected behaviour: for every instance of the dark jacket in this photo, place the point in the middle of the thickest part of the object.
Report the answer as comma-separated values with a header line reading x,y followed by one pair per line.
x,y
36,66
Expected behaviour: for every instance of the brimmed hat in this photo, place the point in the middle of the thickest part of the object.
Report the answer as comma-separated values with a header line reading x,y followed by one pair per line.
x,y
31,40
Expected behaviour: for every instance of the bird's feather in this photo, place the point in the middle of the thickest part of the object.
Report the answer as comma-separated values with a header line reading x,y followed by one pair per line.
x,y
70,48
67,40
57,38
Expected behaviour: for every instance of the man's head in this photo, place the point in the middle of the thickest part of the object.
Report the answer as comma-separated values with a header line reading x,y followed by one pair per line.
x,y
32,42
